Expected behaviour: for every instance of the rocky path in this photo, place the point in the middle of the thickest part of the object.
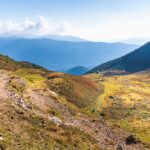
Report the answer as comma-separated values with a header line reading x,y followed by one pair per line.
x,y
4,79
106,135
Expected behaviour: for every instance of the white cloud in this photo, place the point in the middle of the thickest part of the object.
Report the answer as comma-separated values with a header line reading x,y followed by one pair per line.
x,y
30,28
103,27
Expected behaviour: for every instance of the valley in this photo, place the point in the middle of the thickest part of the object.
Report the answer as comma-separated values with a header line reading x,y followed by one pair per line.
x,y
62,55
75,75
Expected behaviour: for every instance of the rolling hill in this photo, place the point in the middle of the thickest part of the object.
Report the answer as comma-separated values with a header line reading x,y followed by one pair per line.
x,y
138,60
62,55
78,70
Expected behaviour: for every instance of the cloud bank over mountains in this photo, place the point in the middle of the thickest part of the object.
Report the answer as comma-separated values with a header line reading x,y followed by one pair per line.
x,y
34,28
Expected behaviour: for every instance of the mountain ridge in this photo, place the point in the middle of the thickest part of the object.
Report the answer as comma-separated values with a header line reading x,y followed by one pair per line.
x,y
60,55
138,60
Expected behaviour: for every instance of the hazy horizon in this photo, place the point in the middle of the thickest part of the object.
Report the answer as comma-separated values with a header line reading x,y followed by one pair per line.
x,y
96,20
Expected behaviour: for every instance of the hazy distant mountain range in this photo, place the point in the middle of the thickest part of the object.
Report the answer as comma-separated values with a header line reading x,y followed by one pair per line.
x,y
139,41
65,38
138,60
61,53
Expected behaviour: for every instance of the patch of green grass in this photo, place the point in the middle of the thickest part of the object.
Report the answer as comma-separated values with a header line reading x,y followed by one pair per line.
x,y
34,80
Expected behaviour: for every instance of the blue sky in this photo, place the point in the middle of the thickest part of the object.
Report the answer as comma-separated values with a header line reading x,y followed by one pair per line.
x,y
99,20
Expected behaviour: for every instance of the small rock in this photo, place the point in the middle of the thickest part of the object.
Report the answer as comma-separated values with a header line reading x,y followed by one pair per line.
x,y
53,93
56,120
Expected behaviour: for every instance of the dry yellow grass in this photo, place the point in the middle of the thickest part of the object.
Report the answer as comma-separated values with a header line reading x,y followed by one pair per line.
x,y
126,102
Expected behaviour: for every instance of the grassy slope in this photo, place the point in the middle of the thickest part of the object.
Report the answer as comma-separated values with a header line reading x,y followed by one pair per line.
x,y
126,102
74,95
77,90
19,127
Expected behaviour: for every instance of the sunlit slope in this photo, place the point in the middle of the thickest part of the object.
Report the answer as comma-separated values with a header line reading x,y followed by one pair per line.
x,y
126,102
41,109
33,115
9,64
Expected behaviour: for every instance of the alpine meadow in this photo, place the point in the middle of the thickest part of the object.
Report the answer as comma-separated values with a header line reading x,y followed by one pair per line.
x,y
75,75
